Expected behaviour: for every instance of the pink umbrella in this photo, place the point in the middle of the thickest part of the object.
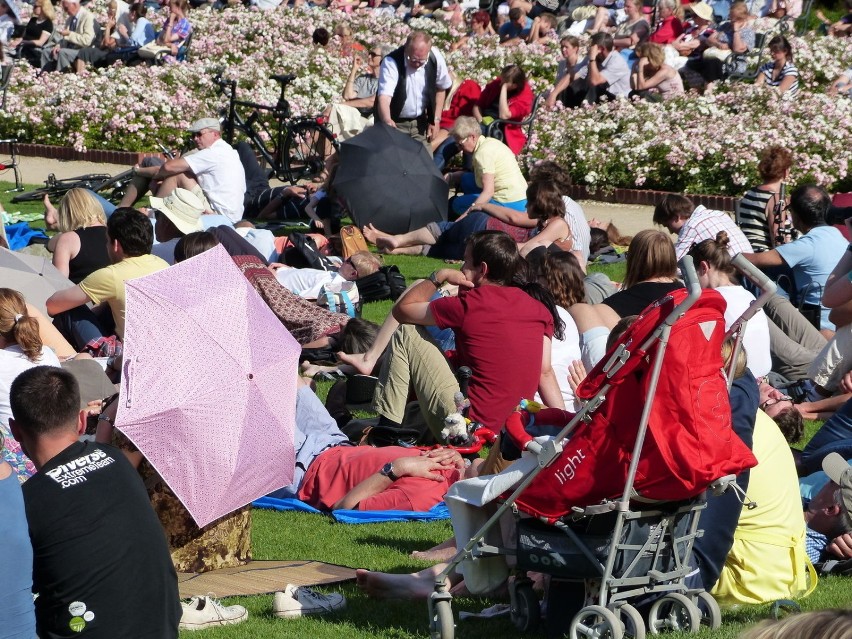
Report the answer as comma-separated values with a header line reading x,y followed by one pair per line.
x,y
208,391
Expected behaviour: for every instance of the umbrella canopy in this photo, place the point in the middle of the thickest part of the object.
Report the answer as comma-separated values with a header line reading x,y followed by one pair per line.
x,y
389,179
208,390
36,278
14,9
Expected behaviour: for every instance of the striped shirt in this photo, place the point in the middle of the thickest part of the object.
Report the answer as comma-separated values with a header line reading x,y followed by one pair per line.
x,y
580,230
753,220
704,224
788,70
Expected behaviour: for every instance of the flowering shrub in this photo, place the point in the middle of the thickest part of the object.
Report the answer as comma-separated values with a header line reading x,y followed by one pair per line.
x,y
692,143
697,144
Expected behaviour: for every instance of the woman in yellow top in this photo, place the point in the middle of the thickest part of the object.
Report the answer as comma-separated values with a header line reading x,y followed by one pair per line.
x,y
496,188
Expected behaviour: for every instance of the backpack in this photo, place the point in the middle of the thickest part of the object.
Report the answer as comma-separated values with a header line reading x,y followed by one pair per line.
x,y
341,298
304,254
385,284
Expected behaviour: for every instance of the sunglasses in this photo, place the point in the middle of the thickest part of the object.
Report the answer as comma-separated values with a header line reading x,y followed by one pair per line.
x,y
375,54
772,402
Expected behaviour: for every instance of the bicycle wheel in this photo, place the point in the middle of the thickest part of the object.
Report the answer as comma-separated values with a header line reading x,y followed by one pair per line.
x,y
262,154
59,188
306,148
115,187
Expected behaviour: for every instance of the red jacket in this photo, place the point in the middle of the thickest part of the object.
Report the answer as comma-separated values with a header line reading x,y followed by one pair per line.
x,y
520,106
461,103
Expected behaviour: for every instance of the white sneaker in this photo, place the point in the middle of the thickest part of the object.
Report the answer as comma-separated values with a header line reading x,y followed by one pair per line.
x,y
296,601
204,612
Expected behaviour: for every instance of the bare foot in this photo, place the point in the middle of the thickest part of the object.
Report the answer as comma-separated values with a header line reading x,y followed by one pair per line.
x,y
51,218
386,243
434,555
442,552
360,361
371,233
382,585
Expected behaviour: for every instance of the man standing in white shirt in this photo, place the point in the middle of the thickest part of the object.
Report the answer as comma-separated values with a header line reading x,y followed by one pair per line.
x,y
214,174
413,85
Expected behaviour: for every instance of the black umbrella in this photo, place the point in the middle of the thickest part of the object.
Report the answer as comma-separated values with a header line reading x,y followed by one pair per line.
x,y
389,179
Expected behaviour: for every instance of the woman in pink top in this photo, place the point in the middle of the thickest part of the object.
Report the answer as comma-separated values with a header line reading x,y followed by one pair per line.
x,y
651,78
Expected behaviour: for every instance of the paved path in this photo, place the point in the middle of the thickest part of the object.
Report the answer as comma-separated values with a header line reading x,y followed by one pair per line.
x,y
628,218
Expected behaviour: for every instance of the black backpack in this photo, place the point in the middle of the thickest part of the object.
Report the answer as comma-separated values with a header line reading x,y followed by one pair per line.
x,y
385,284
305,254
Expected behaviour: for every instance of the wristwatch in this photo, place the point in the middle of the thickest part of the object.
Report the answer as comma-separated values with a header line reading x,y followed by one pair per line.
x,y
387,471
434,279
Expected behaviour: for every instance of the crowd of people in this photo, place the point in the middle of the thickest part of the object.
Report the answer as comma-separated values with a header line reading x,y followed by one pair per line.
x,y
523,314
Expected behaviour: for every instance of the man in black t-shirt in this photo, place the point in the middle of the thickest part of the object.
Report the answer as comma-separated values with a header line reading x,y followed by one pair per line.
x,y
101,566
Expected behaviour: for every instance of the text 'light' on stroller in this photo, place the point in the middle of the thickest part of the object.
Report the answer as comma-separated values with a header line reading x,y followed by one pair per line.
x,y
653,435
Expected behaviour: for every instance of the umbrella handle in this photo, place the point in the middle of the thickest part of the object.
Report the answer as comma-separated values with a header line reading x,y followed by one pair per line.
x,y
127,380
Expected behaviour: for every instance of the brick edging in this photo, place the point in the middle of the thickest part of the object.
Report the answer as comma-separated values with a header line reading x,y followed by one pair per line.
x,y
68,153
578,191
649,198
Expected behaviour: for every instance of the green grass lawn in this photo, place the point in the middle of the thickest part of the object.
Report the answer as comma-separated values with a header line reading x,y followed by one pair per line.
x,y
386,547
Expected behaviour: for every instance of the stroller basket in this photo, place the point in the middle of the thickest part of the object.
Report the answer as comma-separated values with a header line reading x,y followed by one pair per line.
x,y
650,542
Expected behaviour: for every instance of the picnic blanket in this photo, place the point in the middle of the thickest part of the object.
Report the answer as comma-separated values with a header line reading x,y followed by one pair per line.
x,y
261,577
20,235
438,511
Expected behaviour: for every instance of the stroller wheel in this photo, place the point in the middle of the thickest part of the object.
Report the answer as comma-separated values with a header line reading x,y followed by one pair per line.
x,y
634,624
674,612
711,614
596,622
442,625
526,609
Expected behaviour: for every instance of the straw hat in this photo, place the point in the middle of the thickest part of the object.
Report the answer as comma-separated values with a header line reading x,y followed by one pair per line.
x,y
702,10
183,208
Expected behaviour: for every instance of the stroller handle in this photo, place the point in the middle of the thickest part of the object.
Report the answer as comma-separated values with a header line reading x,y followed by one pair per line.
x,y
690,277
754,274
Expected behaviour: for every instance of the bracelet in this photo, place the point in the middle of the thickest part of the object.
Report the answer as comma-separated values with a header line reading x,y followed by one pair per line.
x,y
105,418
434,279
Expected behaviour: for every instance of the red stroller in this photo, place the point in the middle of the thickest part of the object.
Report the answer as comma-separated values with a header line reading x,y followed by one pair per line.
x,y
617,503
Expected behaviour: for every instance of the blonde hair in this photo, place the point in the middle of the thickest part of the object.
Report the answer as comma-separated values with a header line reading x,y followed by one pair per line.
x,y
654,52
47,9
727,353
365,263
650,254
739,9
465,126
821,624
78,210
17,326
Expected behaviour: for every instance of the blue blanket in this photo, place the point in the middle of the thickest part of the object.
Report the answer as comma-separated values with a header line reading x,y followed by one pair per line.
x,y
20,235
438,511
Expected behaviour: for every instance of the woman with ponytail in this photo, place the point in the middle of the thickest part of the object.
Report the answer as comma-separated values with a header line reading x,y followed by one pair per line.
x,y
21,348
714,268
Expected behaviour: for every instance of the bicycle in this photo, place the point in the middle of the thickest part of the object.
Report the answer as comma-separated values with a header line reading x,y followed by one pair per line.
x,y
290,148
98,182
113,187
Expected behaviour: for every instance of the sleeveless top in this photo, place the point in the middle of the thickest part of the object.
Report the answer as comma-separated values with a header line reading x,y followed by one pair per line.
x,y
753,218
92,255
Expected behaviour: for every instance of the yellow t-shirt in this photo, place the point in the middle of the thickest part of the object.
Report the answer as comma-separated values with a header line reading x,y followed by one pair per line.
x,y
107,284
494,157
768,559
